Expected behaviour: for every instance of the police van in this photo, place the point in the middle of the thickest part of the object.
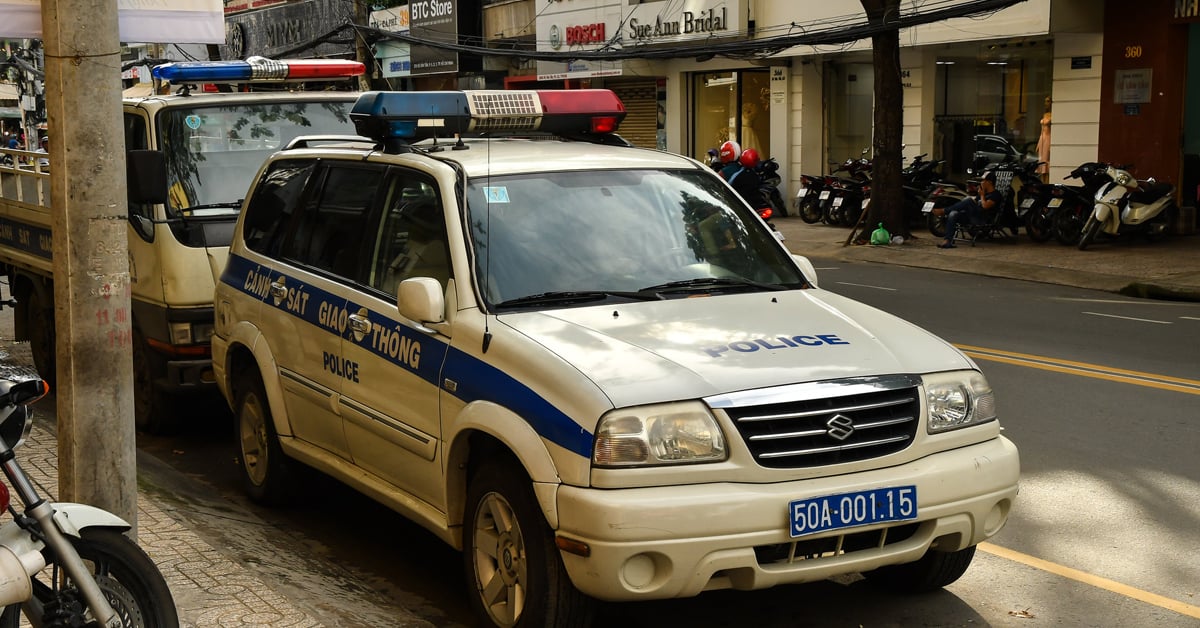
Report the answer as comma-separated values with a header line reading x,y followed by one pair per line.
x,y
590,367
191,156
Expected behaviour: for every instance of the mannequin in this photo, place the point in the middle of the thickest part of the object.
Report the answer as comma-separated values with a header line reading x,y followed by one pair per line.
x,y
1043,145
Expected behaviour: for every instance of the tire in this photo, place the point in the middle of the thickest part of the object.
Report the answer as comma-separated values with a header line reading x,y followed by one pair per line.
x,y
151,407
1067,225
1090,229
267,473
810,210
1038,224
128,578
932,572
936,224
514,572
40,326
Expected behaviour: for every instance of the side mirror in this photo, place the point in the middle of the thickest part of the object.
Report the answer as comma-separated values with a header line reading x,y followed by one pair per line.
x,y
421,300
807,268
146,176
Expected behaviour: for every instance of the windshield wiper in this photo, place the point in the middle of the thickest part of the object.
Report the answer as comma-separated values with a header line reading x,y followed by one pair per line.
x,y
565,297
708,283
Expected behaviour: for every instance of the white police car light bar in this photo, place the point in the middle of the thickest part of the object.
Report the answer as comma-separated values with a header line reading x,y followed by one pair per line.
x,y
257,69
409,116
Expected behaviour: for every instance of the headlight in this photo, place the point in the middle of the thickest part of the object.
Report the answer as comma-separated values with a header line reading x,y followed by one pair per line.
x,y
184,333
1123,179
958,399
657,435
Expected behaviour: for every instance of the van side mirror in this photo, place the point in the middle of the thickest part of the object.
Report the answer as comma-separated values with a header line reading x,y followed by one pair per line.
x,y
421,300
146,176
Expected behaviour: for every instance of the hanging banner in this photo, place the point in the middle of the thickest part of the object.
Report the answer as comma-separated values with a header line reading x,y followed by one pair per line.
x,y
158,21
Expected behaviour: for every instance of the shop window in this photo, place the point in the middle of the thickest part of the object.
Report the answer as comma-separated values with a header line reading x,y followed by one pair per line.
x,y
731,106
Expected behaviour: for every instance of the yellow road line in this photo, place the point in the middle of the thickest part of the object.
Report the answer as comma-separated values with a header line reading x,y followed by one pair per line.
x,y
1084,369
1093,580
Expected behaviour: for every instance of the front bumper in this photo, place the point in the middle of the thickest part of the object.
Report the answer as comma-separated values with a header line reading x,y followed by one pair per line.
x,y
665,542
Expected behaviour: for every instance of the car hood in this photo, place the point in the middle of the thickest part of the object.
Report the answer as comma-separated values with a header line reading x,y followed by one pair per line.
x,y
692,348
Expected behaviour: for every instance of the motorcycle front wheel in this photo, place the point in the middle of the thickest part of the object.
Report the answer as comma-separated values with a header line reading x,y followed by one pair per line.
x,y
129,580
1038,223
936,224
1090,229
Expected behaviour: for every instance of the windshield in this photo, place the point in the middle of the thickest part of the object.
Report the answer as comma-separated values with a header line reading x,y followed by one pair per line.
x,y
564,238
214,152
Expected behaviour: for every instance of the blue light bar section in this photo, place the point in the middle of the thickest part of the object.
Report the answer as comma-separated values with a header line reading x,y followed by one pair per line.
x,y
202,71
409,116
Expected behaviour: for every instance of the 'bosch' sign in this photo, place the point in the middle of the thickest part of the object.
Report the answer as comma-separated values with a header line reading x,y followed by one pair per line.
x,y
588,34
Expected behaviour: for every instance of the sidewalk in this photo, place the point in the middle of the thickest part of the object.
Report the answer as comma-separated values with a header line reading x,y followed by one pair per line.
x,y
1166,269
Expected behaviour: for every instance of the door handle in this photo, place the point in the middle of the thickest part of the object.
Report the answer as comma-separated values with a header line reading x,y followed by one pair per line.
x,y
359,324
278,290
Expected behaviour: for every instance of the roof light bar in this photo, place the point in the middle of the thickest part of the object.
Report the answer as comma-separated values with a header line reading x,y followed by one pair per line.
x,y
401,117
256,69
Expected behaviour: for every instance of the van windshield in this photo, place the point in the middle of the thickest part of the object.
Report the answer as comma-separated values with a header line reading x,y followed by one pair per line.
x,y
214,152
566,238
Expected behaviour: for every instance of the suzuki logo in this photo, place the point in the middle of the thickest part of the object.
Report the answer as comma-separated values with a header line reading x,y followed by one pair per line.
x,y
840,427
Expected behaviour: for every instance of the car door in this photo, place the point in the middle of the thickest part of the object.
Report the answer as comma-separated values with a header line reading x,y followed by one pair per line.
x,y
391,407
305,314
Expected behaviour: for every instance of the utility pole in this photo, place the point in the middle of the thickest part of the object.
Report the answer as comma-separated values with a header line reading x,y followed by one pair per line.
x,y
96,453
361,52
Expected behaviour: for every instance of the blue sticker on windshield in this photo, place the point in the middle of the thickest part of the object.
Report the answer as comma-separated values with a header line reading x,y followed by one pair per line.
x,y
496,194
192,121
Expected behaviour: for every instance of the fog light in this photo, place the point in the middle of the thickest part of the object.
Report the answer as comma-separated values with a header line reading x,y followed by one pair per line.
x,y
638,571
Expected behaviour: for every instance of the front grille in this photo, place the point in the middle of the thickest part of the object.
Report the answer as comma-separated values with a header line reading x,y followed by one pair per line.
x,y
848,421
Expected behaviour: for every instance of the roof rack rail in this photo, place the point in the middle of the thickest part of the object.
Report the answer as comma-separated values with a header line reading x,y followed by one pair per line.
x,y
304,141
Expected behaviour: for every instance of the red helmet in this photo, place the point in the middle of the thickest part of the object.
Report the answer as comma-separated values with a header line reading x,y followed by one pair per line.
x,y
749,158
729,151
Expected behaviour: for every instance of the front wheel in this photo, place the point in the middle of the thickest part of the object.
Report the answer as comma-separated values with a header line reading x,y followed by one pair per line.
x,y
515,574
151,406
1090,229
39,322
933,571
1038,224
936,224
129,580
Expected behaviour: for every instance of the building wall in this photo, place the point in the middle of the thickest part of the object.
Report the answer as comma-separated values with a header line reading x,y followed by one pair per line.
x,y
1075,129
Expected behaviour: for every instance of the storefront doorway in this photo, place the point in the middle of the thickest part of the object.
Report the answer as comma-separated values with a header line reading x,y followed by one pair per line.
x,y
731,106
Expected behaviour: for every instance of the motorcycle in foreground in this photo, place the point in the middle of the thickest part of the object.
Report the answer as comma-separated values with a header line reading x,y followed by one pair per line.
x,y
97,576
769,180
1126,205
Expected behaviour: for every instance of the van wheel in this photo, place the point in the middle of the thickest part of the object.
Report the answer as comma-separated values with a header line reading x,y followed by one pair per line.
x,y
933,571
515,573
150,405
39,323
266,471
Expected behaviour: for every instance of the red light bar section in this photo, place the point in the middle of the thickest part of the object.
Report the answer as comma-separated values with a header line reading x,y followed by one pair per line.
x,y
324,68
589,101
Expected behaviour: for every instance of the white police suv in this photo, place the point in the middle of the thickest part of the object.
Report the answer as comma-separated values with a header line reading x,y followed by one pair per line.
x,y
589,366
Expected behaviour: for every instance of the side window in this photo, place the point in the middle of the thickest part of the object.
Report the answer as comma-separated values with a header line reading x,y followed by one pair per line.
x,y
275,201
329,233
411,240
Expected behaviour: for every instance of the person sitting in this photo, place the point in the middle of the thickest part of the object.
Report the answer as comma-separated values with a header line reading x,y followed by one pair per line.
x,y
972,210
745,180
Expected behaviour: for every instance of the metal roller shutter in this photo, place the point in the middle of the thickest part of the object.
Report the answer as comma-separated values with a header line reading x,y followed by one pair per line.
x,y
641,111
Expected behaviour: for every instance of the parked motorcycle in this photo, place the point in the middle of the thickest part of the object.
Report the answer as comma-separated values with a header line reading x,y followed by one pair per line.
x,y
98,576
843,196
1062,209
808,198
1125,204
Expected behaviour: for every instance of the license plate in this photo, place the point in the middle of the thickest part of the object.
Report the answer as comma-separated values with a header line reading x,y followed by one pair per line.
x,y
927,207
802,192
837,202
1054,202
847,510
1027,203
824,194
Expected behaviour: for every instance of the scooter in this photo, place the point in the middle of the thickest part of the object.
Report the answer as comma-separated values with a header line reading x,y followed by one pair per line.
x,y
769,180
1126,205
98,576
808,198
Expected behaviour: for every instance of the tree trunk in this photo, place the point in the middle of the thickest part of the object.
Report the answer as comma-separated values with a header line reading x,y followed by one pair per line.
x,y
887,197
